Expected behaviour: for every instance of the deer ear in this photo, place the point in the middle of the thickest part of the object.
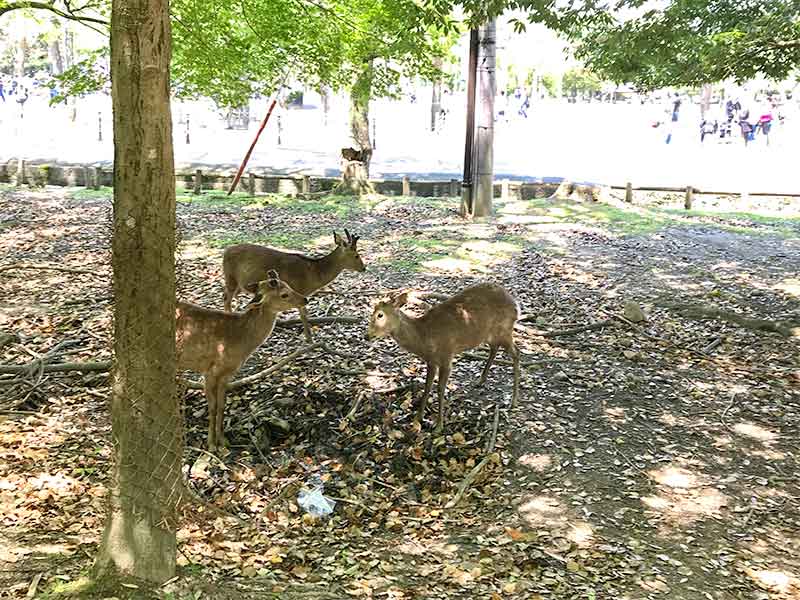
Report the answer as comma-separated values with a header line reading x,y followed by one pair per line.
x,y
399,299
272,274
337,239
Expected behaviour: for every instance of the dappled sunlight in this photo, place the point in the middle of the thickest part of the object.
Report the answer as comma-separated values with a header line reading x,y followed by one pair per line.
x,y
674,477
536,462
543,510
616,414
782,582
755,432
790,285
581,534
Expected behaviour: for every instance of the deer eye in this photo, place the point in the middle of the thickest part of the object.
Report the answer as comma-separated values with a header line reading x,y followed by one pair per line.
x,y
380,315
284,295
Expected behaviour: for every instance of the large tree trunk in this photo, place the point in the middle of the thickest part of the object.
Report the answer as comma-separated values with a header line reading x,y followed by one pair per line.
x,y
139,538
355,177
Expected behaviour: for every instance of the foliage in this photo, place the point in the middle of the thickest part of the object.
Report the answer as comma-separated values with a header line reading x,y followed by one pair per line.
x,y
86,76
690,42
581,81
551,84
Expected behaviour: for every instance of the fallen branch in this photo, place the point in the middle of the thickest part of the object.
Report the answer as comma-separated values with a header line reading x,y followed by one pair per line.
x,y
718,341
711,312
318,321
196,385
59,367
479,467
581,329
48,268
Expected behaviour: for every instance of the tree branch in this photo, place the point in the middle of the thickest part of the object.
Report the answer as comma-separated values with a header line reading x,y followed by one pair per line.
x,y
4,8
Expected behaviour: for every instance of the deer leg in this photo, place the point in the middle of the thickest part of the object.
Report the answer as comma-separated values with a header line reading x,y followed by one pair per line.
x,y
512,349
489,361
230,293
220,434
306,326
210,384
423,403
444,375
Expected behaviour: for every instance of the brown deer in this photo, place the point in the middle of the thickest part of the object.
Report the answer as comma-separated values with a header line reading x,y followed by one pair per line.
x,y
245,264
215,343
481,314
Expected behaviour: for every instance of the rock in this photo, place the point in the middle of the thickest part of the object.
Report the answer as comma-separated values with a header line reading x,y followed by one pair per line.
x,y
633,312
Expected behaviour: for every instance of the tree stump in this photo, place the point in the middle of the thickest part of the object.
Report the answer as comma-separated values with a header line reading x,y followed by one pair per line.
x,y
355,173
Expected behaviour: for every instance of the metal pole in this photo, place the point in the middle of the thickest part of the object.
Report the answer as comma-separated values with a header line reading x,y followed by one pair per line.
x,y
187,128
99,126
280,130
466,182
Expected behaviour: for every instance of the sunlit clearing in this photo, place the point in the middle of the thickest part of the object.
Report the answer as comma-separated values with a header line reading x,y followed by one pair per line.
x,y
581,534
754,431
536,462
454,265
674,477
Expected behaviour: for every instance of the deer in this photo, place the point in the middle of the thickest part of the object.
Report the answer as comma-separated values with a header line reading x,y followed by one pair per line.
x,y
215,343
245,264
484,313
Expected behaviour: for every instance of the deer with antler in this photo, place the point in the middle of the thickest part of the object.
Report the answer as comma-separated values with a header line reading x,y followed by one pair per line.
x,y
246,264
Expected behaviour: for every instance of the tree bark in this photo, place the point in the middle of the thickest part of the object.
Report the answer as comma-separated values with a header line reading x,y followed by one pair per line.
x,y
139,538
436,97
359,112
482,205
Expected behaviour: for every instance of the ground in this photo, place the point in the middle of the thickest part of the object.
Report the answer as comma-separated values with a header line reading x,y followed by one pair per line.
x,y
650,460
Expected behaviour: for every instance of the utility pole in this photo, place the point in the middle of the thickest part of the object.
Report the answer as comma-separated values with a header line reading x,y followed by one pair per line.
x,y
466,183
484,159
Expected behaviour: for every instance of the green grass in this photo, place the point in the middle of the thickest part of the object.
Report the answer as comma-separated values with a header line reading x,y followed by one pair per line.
x,y
639,220
464,255
91,194
280,239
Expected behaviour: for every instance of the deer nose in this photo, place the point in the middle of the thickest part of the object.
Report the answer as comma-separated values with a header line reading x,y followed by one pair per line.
x,y
305,300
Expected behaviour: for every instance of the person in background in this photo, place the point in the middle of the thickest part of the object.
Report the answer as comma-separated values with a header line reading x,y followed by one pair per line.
x,y
745,125
2,91
21,100
675,112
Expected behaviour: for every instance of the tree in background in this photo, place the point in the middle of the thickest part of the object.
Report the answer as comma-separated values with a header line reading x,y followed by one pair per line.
x,y
691,42
580,82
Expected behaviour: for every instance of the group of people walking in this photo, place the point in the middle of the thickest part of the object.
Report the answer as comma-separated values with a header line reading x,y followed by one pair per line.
x,y
739,118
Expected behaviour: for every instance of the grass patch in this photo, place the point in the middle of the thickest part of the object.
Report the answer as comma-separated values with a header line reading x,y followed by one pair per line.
x,y
278,239
452,255
91,194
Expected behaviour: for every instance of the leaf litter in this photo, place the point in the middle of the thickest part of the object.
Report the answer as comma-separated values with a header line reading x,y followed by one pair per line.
x,y
638,465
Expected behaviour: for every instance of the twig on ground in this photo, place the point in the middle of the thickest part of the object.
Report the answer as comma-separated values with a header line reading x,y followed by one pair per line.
x,y
479,467
49,268
725,412
196,385
694,311
716,342
575,330
318,321
59,367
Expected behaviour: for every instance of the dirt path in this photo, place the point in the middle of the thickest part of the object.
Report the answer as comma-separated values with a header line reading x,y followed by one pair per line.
x,y
633,468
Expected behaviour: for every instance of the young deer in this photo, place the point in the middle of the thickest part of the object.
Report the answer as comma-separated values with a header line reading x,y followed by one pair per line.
x,y
245,264
481,314
216,343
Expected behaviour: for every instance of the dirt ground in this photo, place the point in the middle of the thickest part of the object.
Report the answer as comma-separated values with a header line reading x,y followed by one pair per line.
x,y
650,460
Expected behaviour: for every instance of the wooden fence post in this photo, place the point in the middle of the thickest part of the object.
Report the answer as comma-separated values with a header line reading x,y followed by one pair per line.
x,y
406,186
455,188
251,179
198,181
689,198
306,184
20,179
504,189
629,192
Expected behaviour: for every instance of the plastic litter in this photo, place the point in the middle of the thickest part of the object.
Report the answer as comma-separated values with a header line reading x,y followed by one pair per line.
x,y
312,500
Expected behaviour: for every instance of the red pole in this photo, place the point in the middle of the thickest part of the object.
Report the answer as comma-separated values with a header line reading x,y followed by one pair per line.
x,y
253,145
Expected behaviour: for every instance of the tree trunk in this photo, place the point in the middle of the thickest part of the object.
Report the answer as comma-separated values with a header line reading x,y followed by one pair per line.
x,y
21,56
56,60
436,97
484,143
139,538
705,100
355,174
